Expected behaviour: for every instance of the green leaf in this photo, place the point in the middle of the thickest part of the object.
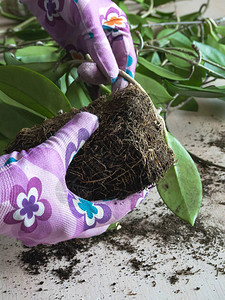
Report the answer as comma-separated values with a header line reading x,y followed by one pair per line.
x,y
3,143
214,55
166,15
38,54
215,44
46,69
197,77
193,91
156,59
155,90
190,17
13,119
135,19
222,41
4,98
177,39
179,62
123,6
147,32
191,105
181,187
160,70
32,90
32,32
220,30
77,96
160,2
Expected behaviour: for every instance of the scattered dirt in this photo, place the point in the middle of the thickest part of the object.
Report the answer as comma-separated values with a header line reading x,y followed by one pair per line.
x,y
213,180
219,142
165,232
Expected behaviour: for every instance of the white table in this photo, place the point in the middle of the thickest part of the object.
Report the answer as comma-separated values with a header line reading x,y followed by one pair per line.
x,y
155,269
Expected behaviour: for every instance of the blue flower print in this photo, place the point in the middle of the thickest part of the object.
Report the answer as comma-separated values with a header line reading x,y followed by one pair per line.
x,y
91,212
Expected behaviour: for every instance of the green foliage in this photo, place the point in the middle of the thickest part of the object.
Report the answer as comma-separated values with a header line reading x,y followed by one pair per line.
x,y
181,187
77,95
175,62
193,91
163,72
32,90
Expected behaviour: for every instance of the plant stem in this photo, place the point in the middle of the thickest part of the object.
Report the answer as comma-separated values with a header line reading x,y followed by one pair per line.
x,y
23,24
166,51
104,88
19,46
191,62
150,10
20,26
213,64
217,21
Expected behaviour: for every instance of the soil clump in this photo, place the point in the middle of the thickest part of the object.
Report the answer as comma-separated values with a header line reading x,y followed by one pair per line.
x,y
125,155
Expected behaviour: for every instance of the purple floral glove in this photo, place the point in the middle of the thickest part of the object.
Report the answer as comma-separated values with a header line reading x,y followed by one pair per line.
x,y
36,206
97,27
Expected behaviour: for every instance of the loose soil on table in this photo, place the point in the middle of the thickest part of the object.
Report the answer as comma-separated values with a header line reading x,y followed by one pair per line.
x,y
165,232
125,155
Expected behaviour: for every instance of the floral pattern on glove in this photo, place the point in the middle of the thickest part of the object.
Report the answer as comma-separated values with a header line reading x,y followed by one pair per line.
x,y
91,212
72,149
113,21
29,208
52,8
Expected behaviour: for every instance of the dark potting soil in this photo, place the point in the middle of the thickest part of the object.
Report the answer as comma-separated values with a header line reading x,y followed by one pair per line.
x,y
125,155
167,233
164,231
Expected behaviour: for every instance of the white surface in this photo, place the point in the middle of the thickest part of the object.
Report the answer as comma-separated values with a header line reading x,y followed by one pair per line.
x,y
102,269
196,131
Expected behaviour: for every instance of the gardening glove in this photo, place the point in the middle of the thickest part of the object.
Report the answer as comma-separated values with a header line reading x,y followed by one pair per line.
x,y
97,27
36,206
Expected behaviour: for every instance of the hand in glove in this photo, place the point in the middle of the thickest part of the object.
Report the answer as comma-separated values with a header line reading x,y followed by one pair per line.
x,y
97,27
35,204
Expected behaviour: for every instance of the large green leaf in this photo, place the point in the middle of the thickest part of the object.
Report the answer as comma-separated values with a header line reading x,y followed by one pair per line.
x,y
159,70
77,95
13,119
46,69
181,187
6,99
194,91
45,64
156,91
32,90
